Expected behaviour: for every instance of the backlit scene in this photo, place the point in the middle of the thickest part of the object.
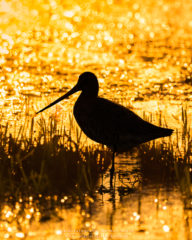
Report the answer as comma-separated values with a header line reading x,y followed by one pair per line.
x,y
61,178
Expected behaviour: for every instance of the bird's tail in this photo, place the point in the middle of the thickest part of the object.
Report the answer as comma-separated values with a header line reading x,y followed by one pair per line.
x,y
166,132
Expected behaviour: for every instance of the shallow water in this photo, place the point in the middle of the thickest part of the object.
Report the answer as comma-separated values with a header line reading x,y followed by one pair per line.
x,y
141,53
136,208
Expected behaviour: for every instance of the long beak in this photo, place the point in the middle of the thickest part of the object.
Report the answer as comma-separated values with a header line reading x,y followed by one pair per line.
x,y
73,90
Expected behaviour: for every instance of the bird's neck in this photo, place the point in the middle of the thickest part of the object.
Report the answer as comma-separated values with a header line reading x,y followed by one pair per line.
x,y
88,95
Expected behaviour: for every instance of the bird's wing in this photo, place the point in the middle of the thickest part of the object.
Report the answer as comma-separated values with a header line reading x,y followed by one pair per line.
x,y
115,126
117,118
108,122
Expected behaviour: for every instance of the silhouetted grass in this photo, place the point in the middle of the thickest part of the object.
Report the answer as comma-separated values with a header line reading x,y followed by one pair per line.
x,y
48,161
169,161
43,157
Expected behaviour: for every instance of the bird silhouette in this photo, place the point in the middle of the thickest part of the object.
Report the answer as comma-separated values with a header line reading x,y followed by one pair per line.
x,y
107,122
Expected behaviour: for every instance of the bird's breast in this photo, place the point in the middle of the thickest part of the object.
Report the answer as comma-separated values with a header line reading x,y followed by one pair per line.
x,y
83,114
90,119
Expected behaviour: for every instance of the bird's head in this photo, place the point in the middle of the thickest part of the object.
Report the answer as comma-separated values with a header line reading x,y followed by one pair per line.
x,y
87,83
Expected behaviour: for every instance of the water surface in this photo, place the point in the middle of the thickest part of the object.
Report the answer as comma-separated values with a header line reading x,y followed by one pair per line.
x,y
141,53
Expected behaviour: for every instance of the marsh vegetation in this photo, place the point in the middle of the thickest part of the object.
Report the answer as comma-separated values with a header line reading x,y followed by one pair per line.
x,y
54,182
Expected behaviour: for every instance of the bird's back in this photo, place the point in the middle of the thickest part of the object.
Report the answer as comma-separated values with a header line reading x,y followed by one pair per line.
x,y
114,125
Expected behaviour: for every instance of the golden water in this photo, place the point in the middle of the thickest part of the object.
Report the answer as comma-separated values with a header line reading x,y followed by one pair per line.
x,y
141,53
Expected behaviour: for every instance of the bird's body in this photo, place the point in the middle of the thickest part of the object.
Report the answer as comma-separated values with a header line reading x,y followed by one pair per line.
x,y
113,125
107,122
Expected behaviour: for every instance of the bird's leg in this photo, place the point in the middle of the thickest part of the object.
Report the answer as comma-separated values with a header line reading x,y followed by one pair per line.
x,y
112,169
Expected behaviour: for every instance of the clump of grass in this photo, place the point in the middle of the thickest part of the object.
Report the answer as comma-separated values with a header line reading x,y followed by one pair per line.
x,y
48,161
157,162
170,161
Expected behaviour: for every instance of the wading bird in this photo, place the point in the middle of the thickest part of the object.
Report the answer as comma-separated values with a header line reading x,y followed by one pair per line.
x,y
107,122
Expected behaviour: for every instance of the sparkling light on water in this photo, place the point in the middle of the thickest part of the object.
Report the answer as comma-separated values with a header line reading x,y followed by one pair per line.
x,y
141,53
